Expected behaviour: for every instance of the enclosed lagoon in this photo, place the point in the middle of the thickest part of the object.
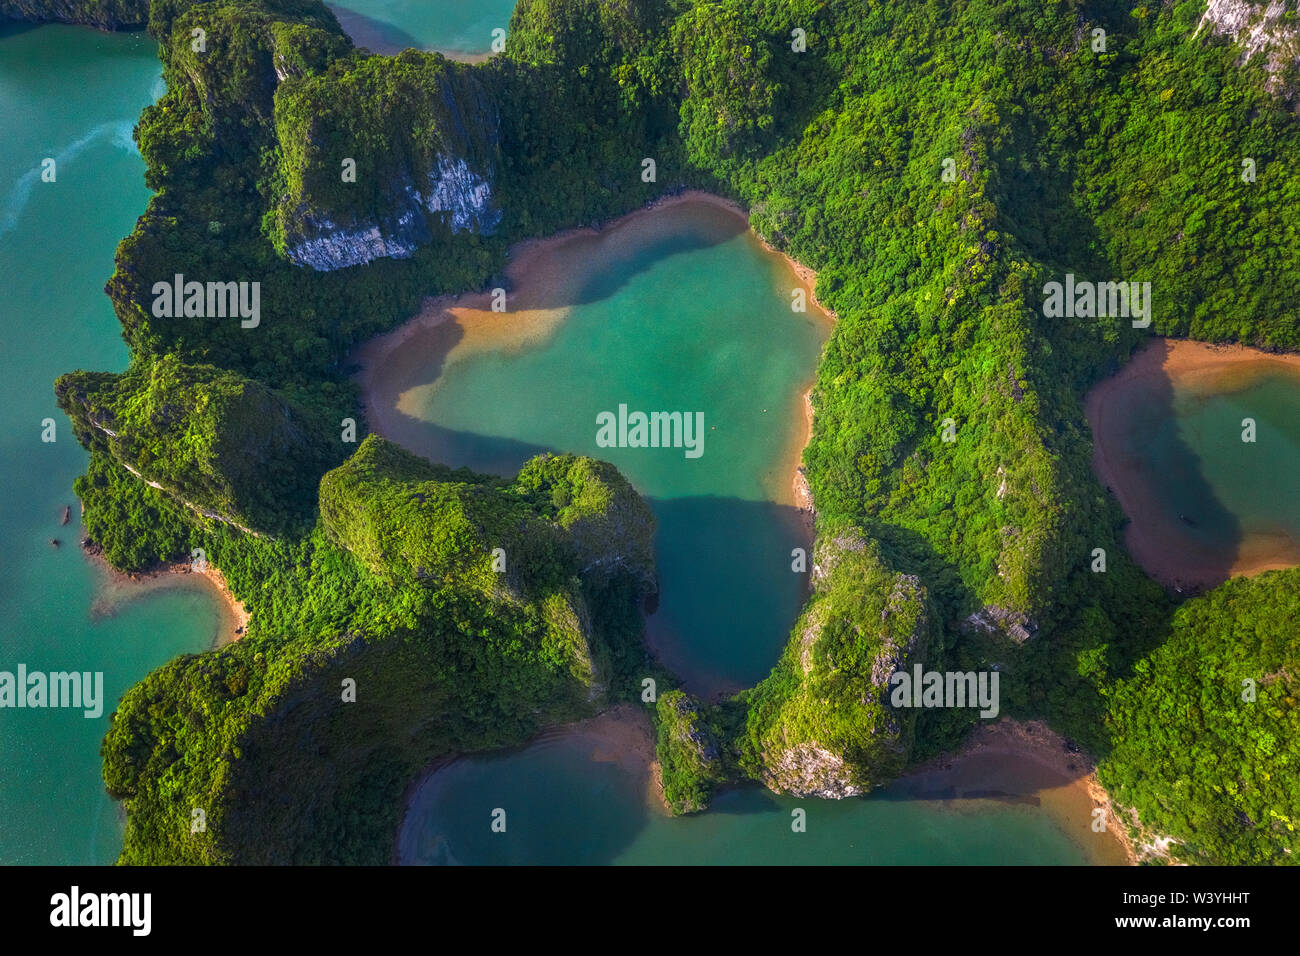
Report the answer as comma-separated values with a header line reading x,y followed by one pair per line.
x,y
674,308
1201,446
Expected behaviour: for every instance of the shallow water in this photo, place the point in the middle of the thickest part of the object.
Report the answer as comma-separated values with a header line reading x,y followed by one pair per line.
x,y
1205,505
70,94
451,26
1257,483
679,310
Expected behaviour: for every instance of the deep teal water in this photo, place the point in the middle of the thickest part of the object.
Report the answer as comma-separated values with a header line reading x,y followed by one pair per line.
x,y
1257,484
688,315
1211,504
563,807
71,94
74,94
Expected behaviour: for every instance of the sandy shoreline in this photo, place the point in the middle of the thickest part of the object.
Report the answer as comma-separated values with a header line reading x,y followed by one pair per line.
x,y
120,587
542,285
1029,762
541,289
624,735
802,491
1028,759
1155,542
1007,761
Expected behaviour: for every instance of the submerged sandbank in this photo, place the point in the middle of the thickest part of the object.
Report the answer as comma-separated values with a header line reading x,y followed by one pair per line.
x,y
1029,763
1007,763
544,279
720,345
1155,536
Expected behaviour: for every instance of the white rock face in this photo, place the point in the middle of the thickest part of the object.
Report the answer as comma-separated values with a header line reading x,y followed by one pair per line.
x,y
807,770
458,190
336,248
1258,28
454,191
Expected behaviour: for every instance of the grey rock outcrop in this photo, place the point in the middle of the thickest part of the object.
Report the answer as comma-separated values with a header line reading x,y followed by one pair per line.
x,y
1258,28
453,191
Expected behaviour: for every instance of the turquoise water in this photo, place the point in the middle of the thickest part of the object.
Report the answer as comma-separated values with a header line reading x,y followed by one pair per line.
x,y
459,26
70,94
1256,484
729,596
1208,504
680,310
563,807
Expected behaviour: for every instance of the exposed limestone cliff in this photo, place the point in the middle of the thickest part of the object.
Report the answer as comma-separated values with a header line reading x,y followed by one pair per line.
x,y
807,770
364,182
992,619
1258,28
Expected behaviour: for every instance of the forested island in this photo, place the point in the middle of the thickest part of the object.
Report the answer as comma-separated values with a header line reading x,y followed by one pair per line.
x,y
936,164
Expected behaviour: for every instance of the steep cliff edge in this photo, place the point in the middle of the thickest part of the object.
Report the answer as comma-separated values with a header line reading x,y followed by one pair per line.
x,y
1258,28
362,181
690,761
104,14
223,445
821,724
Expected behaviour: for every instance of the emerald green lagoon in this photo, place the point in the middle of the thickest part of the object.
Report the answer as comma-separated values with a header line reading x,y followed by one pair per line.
x,y
678,309
70,94
1254,488
454,27
1204,503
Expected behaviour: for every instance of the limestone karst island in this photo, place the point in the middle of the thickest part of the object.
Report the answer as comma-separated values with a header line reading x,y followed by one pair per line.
x,y
650,432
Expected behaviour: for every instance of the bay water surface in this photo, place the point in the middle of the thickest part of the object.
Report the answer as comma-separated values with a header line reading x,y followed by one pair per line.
x,y
1201,444
70,94
461,29
683,312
